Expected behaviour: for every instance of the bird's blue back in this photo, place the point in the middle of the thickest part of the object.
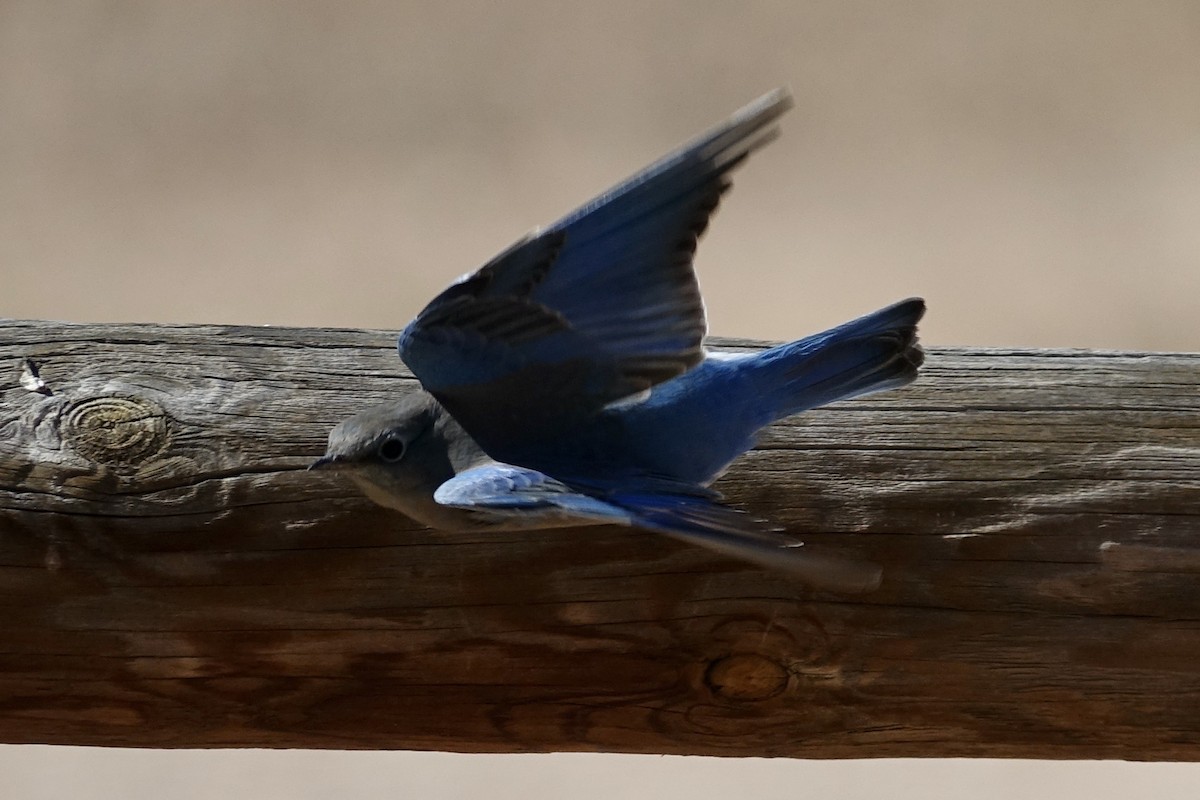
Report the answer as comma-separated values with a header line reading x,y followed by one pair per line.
x,y
690,428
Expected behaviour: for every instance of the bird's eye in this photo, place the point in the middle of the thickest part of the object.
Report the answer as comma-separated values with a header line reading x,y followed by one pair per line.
x,y
391,449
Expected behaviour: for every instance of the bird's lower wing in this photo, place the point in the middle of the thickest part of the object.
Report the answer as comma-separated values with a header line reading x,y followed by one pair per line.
x,y
525,498
725,530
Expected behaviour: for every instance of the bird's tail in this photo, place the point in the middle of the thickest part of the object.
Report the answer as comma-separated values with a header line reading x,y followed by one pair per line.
x,y
870,354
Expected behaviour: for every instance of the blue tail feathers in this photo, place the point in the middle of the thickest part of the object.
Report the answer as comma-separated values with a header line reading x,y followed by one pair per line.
x,y
690,428
870,354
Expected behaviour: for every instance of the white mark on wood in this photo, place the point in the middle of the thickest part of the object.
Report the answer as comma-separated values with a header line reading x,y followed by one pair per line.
x,y
1003,525
31,380
1152,454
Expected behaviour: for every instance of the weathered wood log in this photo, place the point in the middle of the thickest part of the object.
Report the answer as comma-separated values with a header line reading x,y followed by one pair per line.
x,y
171,576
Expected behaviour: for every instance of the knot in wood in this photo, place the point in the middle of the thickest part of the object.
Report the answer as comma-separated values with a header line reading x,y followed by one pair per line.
x,y
114,430
746,677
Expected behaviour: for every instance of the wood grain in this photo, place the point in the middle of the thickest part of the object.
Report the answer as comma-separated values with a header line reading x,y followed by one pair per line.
x,y
170,576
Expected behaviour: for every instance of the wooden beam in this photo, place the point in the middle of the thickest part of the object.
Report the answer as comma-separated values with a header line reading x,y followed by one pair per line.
x,y
170,576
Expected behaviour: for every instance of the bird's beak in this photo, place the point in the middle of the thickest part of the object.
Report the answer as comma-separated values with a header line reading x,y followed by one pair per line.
x,y
324,461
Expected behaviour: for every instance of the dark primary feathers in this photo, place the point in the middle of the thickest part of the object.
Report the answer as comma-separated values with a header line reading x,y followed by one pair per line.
x,y
600,305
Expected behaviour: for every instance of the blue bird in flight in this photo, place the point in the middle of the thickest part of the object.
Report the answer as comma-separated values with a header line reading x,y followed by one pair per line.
x,y
566,381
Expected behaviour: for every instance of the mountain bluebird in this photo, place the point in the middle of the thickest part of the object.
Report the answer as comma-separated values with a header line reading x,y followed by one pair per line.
x,y
566,383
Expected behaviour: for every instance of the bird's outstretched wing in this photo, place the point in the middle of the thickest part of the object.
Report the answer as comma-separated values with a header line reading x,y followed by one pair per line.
x,y
598,306
691,516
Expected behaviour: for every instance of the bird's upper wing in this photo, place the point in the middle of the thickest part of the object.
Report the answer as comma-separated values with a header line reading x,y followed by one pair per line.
x,y
598,306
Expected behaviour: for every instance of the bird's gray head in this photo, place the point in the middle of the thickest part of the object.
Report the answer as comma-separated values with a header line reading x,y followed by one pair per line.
x,y
399,452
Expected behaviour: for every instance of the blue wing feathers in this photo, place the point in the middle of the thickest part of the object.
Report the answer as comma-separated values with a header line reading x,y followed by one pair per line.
x,y
617,272
723,146
601,305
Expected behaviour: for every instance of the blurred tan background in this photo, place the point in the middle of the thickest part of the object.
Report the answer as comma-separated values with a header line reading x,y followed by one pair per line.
x,y
1031,168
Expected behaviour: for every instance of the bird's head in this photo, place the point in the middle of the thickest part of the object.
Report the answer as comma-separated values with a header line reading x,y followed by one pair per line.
x,y
392,451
